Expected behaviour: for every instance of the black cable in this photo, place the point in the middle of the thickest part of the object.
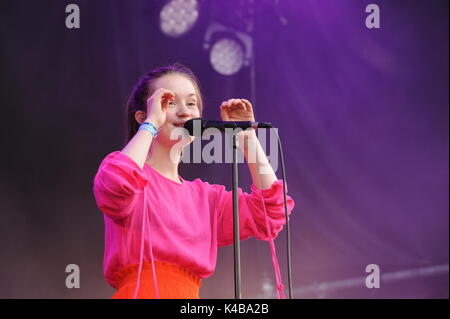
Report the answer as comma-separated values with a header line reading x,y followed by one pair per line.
x,y
291,296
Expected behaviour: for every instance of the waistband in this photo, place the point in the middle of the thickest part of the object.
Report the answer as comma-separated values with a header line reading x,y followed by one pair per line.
x,y
129,274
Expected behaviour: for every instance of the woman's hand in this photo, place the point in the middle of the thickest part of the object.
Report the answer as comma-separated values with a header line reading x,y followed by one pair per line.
x,y
237,110
157,106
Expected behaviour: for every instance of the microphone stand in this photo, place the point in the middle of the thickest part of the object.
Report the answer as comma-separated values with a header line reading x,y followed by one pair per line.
x,y
237,253
193,126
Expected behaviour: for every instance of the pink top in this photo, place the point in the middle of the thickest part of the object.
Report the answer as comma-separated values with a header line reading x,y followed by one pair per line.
x,y
151,217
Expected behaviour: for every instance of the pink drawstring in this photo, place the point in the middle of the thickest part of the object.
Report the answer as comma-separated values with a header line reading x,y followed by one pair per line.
x,y
155,283
141,257
280,285
141,253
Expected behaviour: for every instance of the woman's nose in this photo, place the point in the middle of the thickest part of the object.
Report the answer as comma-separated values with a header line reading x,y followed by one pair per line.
x,y
183,110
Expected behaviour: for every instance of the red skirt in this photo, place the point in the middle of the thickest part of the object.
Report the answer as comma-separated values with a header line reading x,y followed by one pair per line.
x,y
174,282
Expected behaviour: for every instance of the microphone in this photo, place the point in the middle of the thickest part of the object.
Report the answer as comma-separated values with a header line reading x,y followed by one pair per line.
x,y
196,126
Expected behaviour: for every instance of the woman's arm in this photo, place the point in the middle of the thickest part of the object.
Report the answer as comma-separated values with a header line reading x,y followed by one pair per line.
x,y
261,171
137,148
118,185
261,212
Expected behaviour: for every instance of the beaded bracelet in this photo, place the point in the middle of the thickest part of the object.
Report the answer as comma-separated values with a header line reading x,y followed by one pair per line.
x,y
149,127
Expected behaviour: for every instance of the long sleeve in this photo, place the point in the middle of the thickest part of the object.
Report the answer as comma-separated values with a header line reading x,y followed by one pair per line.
x,y
117,185
253,208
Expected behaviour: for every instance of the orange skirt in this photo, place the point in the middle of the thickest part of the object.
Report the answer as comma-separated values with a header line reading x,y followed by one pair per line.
x,y
174,282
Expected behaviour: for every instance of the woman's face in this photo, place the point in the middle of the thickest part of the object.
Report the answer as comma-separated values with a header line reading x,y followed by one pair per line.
x,y
185,106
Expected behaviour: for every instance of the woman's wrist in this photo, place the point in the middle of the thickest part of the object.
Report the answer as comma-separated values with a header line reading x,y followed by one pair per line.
x,y
149,120
148,125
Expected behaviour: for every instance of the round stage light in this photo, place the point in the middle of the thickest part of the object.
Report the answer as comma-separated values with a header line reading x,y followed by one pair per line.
x,y
178,16
227,56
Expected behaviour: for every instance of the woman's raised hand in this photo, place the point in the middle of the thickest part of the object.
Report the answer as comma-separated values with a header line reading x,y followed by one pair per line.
x,y
237,110
157,105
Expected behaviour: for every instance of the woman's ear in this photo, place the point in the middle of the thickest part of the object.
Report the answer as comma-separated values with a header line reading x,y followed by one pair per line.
x,y
139,116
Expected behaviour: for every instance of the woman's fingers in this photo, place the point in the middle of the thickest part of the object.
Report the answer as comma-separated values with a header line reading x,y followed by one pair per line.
x,y
224,113
162,94
169,95
234,103
247,104
166,96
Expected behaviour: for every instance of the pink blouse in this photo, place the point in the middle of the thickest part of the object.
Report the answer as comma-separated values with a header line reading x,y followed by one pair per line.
x,y
151,217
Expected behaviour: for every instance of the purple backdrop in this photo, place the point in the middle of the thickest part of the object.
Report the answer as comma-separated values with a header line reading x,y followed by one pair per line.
x,y
362,113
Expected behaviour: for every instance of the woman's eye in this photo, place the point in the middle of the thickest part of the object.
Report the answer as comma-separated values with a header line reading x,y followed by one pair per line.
x,y
192,104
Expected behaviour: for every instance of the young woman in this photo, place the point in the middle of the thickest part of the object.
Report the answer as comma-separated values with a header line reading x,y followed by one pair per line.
x,y
162,231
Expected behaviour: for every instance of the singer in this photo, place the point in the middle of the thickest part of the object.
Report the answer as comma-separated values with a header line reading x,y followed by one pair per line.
x,y
162,231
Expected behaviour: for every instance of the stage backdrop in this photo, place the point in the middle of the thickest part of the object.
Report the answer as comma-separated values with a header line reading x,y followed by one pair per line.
x,y
362,113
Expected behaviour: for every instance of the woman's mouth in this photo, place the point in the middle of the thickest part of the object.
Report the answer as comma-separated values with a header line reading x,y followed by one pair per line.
x,y
179,124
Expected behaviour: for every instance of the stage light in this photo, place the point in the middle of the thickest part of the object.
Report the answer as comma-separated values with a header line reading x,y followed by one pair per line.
x,y
227,56
229,50
178,16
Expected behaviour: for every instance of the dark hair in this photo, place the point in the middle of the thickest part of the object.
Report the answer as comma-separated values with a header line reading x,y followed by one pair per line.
x,y
143,90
